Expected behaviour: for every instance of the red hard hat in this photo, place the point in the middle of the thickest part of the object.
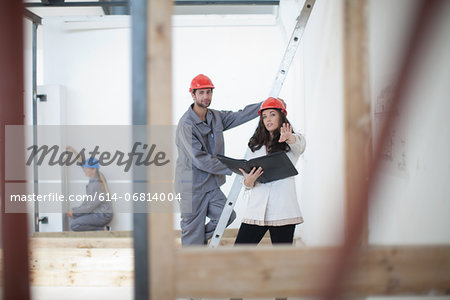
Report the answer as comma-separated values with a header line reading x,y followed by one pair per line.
x,y
272,103
201,82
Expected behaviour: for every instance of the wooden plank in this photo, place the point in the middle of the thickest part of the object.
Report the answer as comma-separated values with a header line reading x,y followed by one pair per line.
x,y
63,242
401,270
107,242
357,117
83,234
228,233
81,267
159,112
302,272
249,272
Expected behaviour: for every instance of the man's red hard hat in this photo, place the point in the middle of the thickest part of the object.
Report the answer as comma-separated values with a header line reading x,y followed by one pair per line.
x,y
201,82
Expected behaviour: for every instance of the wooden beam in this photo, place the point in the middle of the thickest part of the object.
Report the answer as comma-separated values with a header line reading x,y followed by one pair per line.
x,y
228,233
83,234
250,272
302,272
357,117
81,267
84,243
14,241
111,242
159,113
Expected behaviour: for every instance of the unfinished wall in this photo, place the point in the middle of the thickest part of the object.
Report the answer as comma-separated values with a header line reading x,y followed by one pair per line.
x,y
412,202
89,57
322,186
242,61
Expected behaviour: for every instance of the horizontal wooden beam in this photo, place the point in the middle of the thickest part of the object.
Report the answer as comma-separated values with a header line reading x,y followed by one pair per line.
x,y
301,272
83,234
250,271
81,267
228,233
81,242
115,239
110,242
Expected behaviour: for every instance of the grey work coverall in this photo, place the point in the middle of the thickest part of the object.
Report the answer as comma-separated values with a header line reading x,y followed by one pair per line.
x,y
199,174
92,215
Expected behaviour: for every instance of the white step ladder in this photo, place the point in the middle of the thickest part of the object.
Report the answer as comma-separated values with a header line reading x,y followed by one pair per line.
x,y
289,54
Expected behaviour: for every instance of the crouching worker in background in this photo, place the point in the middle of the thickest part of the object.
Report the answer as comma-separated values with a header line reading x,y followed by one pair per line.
x,y
94,214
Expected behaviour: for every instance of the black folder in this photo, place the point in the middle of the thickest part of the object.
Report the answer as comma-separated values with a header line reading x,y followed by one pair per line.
x,y
276,166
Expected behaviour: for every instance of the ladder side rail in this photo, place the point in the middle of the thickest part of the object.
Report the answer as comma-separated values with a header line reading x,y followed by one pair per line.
x,y
292,47
227,211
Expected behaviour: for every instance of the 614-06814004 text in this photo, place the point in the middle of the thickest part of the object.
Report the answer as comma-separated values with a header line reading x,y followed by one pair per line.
x,y
144,197
108,197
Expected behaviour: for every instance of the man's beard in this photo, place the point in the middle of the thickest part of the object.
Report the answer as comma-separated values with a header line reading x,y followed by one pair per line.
x,y
199,103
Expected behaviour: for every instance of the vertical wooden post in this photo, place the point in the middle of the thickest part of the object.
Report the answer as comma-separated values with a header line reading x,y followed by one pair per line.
x,y
159,112
13,225
357,118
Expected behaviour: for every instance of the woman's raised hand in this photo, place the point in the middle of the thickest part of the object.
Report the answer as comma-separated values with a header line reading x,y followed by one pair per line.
x,y
286,133
250,178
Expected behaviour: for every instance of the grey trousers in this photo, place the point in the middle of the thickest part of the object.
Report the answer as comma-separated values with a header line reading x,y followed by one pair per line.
x,y
194,231
90,222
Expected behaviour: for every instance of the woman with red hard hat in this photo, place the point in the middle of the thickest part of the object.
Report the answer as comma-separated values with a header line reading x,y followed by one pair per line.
x,y
271,206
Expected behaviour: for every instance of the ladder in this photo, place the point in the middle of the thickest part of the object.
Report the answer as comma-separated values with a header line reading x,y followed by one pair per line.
x,y
289,54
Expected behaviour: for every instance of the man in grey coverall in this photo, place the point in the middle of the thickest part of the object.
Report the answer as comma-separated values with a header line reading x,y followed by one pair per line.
x,y
199,174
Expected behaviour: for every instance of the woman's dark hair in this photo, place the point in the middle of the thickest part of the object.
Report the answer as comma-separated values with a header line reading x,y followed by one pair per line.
x,y
262,137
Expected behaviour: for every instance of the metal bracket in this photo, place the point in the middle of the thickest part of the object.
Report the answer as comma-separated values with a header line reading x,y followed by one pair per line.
x,y
42,97
43,220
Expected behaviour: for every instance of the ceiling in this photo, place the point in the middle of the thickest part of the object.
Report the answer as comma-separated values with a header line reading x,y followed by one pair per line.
x,y
44,8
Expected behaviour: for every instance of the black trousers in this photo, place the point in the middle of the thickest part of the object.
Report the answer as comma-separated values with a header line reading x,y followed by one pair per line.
x,y
253,234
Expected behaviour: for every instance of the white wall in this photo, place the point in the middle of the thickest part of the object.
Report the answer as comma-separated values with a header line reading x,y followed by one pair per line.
x,y
247,60
412,200
89,57
322,187
242,62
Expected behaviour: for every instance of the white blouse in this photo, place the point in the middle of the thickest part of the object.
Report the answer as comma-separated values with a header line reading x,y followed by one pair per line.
x,y
275,203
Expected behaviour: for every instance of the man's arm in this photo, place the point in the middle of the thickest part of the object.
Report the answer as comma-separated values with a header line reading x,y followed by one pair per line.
x,y
232,119
201,159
